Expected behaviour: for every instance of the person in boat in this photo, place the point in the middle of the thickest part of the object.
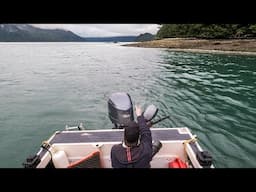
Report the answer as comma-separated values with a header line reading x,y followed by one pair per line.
x,y
136,149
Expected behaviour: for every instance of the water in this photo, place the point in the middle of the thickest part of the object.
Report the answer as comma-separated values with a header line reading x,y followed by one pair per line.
x,y
45,86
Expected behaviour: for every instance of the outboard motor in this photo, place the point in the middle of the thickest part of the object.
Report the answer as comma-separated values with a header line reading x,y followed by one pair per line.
x,y
120,109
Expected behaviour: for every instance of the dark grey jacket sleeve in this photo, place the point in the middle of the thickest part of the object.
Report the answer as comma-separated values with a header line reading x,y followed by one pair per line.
x,y
145,133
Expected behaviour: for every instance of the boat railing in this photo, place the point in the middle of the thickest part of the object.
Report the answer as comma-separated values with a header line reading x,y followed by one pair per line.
x,y
79,127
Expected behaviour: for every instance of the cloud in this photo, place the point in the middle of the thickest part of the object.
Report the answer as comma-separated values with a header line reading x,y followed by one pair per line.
x,y
103,30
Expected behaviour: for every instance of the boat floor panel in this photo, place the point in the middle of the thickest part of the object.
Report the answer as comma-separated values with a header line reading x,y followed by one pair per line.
x,y
113,136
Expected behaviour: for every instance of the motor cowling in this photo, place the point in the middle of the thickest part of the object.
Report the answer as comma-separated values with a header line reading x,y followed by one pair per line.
x,y
120,109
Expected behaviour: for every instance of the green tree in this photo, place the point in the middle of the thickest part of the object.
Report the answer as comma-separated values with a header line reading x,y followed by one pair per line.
x,y
207,31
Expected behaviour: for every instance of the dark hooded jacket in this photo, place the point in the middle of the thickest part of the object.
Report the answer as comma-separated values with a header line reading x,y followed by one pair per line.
x,y
141,155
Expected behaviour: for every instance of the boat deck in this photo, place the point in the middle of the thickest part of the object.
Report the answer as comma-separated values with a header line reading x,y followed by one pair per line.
x,y
79,143
116,135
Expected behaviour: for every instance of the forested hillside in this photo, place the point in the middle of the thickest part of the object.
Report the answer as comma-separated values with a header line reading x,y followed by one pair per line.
x,y
207,31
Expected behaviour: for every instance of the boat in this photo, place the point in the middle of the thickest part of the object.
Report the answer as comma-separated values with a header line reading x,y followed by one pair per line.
x,y
76,147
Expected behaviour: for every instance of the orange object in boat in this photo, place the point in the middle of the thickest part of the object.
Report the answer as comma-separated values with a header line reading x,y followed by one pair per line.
x,y
177,163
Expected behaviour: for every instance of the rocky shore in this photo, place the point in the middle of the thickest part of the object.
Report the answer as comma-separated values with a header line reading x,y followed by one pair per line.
x,y
229,46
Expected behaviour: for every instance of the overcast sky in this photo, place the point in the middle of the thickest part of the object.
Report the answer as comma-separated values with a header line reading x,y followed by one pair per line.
x,y
103,30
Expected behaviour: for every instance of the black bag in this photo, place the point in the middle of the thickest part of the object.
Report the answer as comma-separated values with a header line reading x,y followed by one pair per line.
x,y
204,158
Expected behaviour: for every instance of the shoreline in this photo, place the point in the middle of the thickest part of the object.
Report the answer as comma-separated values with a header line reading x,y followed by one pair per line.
x,y
215,51
227,46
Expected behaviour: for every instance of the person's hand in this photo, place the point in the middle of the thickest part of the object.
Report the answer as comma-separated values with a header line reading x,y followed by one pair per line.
x,y
138,110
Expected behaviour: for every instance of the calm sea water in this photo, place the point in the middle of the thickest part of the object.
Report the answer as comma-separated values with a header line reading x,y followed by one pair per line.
x,y
45,86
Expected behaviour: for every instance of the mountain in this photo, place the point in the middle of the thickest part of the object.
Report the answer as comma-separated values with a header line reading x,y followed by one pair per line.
x,y
111,39
28,33
145,37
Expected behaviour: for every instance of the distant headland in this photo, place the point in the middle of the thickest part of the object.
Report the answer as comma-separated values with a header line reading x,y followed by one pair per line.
x,y
229,46
214,38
